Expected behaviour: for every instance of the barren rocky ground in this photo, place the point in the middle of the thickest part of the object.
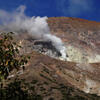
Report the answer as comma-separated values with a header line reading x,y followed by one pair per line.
x,y
77,78
81,36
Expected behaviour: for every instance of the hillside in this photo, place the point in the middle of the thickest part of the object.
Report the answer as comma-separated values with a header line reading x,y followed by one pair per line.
x,y
80,34
53,79
75,78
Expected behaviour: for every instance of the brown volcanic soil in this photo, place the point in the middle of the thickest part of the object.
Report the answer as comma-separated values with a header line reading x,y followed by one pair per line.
x,y
66,80
55,79
79,32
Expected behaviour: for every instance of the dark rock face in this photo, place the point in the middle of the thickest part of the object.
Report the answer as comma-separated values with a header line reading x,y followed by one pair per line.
x,y
46,46
41,46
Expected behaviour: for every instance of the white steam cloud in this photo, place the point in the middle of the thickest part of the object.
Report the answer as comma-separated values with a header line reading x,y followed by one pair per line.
x,y
18,22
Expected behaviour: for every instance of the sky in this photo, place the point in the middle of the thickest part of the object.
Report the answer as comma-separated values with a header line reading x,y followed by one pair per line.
x,y
86,9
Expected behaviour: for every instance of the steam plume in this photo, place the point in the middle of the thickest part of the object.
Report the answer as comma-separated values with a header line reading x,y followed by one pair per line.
x,y
18,22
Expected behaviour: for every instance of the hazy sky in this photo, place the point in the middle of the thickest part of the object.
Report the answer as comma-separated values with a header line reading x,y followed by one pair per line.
x,y
87,9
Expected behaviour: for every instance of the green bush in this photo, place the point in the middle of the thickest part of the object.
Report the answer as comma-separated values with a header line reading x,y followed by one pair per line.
x,y
9,55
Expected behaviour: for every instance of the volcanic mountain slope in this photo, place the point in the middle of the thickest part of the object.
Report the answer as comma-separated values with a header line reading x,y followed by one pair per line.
x,y
75,29
81,38
65,80
55,80
80,34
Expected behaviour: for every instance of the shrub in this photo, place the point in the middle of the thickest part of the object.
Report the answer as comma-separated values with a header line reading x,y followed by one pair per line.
x,y
9,55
